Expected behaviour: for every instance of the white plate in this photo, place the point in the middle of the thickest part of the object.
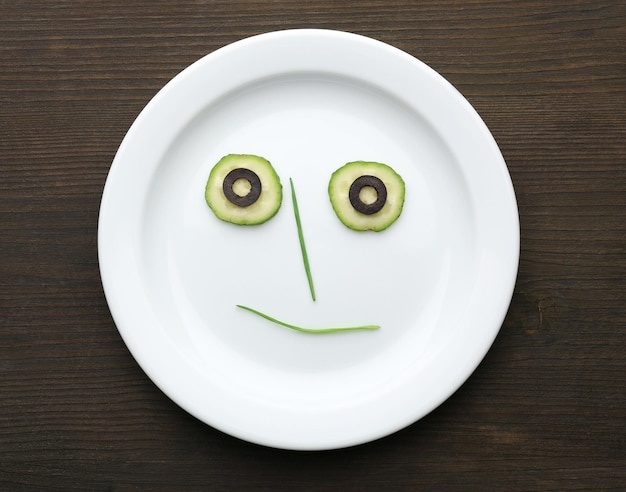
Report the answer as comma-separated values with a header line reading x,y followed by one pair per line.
x,y
438,281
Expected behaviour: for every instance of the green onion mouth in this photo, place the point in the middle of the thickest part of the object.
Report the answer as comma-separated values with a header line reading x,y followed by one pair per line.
x,y
309,330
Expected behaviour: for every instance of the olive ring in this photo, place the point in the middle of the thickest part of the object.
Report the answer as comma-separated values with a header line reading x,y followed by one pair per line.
x,y
255,187
381,194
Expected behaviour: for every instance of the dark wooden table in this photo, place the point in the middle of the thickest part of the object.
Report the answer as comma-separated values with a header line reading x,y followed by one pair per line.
x,y
546,410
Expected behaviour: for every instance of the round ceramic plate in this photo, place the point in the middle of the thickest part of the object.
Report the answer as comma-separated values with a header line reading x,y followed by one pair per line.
x,y
438,281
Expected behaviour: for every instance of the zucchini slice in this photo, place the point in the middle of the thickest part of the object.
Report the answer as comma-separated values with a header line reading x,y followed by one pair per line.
x,y
243,189
366,196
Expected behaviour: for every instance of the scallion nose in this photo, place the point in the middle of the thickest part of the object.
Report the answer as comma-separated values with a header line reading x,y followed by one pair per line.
x,y
305,257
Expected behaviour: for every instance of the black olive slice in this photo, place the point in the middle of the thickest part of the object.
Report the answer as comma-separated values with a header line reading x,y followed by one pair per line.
x,y
255,187
381,194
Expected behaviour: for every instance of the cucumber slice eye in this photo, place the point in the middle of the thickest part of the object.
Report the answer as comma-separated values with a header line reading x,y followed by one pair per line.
x,y
243,189
366,196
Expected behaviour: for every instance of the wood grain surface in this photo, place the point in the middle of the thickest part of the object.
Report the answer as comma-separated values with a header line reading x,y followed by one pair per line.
x,y
546,410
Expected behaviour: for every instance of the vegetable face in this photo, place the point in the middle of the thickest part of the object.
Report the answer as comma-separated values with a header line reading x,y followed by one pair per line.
x,y
244,189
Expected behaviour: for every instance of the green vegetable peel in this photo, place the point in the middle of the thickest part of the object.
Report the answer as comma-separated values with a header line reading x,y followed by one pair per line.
x,y
305,257
308,330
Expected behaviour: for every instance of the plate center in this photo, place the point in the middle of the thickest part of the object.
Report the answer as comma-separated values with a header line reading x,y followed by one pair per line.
x,y
308,125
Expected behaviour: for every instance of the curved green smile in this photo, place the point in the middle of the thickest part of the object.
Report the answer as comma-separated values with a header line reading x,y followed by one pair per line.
x,y
309,330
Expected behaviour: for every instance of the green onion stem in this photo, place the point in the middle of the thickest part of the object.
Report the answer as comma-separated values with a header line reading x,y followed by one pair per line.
x,y
308,330
305,257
